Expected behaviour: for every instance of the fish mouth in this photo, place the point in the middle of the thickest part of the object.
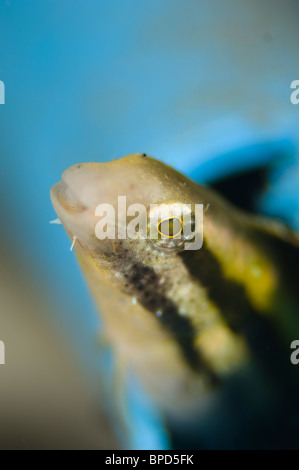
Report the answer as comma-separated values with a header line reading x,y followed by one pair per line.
x,y
63,197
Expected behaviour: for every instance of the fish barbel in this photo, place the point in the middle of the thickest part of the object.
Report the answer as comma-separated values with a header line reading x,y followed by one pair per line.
x,y
187,322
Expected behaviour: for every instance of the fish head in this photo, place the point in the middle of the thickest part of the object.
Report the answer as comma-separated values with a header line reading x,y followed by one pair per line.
x,y
107,196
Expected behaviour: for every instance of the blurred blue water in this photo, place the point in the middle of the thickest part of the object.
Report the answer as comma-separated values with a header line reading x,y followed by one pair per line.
x,y
193,83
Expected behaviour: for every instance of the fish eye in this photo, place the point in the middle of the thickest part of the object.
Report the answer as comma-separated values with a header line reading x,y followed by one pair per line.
x,y
170,225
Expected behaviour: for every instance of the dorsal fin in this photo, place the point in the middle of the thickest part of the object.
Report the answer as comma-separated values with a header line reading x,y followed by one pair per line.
x,y
243,189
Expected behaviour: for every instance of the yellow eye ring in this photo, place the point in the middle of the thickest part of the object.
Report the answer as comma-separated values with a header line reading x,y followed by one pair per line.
x,y
170,218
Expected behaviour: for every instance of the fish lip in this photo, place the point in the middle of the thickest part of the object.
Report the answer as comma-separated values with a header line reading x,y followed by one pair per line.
x,y
62,196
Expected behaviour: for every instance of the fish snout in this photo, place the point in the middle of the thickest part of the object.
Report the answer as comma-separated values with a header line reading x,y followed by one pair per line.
x,y
85,182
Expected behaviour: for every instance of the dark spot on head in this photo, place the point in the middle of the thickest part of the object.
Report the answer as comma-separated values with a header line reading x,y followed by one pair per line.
x,y
135,278
144,155
79,166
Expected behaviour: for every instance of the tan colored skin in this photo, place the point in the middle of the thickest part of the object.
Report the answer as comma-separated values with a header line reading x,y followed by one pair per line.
x,y
137,335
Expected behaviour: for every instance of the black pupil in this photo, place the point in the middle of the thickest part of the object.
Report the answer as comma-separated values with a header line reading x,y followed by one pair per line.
x,y
170,227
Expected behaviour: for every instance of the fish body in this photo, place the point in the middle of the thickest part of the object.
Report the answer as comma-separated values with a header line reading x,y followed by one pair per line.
x,y
189,323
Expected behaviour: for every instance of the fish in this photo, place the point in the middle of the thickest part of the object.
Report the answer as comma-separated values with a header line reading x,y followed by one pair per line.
x,y
207,332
